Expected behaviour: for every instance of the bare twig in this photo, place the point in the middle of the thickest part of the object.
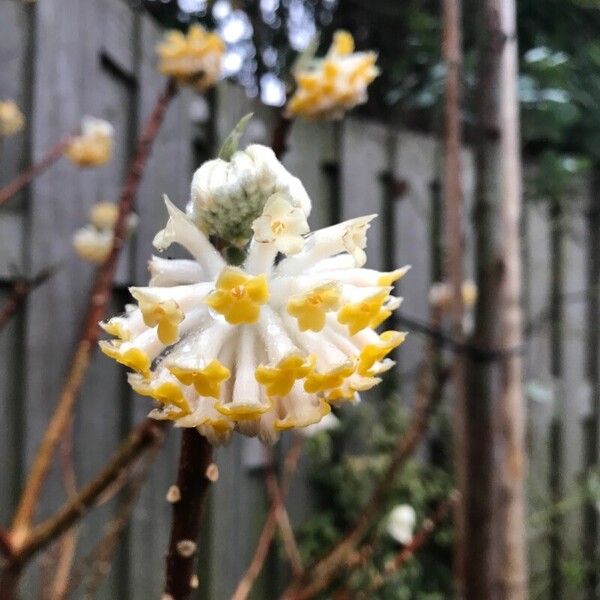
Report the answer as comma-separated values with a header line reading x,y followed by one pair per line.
x,y
98,302
283,520
6,547
19,293
101,556
27,176
145,436
427,395
193,481
268,531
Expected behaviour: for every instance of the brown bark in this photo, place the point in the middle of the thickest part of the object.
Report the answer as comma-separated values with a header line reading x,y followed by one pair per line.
x,y
453,205
512,561
193,484
495,559
281,133
98,303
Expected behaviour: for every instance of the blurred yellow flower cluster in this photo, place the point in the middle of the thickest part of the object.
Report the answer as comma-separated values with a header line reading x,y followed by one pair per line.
x,y
11,118
329,87
93,147
94,242
193,59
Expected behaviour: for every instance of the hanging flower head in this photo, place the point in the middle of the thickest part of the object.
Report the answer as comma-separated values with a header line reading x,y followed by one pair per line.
x,y
11,118
329,87
193,59
266,346
93,147
94,241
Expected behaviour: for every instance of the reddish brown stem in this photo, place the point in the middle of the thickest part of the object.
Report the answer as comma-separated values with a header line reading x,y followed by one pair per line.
x,y
193,483
145,436
282,518
27,176
268,531
19,292
98,302
6,548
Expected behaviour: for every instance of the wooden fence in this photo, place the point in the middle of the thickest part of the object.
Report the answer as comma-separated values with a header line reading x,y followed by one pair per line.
x,y
61,59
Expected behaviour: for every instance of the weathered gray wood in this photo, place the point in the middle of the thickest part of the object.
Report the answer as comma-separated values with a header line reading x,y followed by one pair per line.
x,y
414,164
573,388
539,387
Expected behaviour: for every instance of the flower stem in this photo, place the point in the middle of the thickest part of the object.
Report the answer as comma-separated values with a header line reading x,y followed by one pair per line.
x,y
193,483
27,176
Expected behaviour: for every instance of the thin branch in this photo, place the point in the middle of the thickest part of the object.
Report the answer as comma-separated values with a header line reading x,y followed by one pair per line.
x,y
145,436
19,292
27,176
427,396
98,303
268,531
101,556
283,520
6,547
193,483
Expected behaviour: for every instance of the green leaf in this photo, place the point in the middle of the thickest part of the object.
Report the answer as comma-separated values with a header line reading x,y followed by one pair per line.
x,y
230,145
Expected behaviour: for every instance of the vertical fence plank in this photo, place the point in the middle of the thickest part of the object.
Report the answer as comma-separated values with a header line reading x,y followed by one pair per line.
x,y
167,172
539,387
415,164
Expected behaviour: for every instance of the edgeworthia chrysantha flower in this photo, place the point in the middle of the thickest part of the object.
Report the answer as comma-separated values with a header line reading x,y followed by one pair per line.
x,y
94,241
266,346
11,118
93,147
193,59
327,88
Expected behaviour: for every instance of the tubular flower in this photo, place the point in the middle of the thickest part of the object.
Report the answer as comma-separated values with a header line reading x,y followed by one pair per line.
x,y
258,348
251,190
193,59
330,86
11,118
94,242
93,147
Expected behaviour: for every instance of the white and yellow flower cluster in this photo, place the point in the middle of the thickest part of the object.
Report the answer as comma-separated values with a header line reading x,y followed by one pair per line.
x,y
93,147
331,86
264,347
11,118
94,241
193,59
228,195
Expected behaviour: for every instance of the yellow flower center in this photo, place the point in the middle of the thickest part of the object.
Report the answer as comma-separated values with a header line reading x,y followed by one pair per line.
x,y
373,353
280,379
321,382
166,316
238,297
310,308
278,227
207,381
366,313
